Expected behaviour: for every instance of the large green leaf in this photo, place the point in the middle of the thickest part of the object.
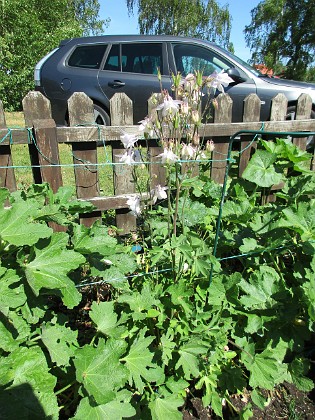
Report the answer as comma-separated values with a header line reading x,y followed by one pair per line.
x,y
106,320
93,240
139,361
12,294
60,342
261,170
189,358
17,226
166,408
31,386
113,410
99,369
50,267
266,370
301,220
259,291
140,302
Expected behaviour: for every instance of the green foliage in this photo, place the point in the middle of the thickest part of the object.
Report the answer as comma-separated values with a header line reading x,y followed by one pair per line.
x,y
161,332
31,29
283,31
199,18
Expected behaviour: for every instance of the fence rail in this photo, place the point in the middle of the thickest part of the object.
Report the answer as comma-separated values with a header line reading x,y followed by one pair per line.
x,y
43,138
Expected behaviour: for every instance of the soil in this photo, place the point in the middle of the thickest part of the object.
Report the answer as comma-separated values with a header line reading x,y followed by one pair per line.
x,y
286,403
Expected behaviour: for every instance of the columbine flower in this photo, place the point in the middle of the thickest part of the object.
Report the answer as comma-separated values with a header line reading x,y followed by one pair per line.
x,y
210,146
195,116
134,205
219,80
189,81
146,126
128,140
127,157
169,106
168,156
188,152
158,193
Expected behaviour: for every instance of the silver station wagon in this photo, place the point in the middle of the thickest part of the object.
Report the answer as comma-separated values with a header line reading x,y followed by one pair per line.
x,y
100,66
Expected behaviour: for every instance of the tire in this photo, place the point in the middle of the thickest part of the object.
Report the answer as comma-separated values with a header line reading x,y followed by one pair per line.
x,y
291,116
100,115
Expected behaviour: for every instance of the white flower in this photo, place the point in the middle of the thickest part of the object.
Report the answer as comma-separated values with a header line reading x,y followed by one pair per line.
x,y
169,106
185,267
168,156
188,152
134,205
127,157
189,81
210,146
107,262
158,193
128,140
146,126
219,80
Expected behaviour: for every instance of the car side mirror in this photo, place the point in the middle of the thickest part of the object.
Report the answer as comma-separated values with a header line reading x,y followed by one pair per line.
x,y
235,75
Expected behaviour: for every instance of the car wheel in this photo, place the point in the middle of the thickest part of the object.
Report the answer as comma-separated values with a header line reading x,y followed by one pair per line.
x,y
100,116
291,116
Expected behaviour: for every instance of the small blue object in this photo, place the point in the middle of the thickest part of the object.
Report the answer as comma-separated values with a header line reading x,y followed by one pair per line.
x,y
136,248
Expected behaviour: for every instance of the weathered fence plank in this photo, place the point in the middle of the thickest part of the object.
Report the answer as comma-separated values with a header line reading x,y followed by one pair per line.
x,y
219,156
7,176
251,114
81,112
48,156
122,114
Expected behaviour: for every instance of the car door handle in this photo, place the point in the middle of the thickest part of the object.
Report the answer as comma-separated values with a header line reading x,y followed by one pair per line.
x,y
116,84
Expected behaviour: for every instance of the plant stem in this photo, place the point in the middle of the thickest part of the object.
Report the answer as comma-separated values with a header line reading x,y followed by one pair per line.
x,y
60,391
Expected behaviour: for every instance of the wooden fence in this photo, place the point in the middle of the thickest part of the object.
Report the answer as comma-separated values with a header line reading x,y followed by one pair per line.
x,y
43,138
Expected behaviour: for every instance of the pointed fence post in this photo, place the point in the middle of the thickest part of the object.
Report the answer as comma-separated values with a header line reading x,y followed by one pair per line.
x,y
44,150
251,113
81,112
121,112
219,155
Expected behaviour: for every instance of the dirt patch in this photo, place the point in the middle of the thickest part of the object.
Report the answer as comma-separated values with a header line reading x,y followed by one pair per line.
x,y
286,403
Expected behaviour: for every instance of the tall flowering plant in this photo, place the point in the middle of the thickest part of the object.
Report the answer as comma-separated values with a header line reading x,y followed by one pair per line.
x,y
176,121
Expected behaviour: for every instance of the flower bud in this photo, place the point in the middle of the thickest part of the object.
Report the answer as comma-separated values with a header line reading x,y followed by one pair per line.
x,y
210,146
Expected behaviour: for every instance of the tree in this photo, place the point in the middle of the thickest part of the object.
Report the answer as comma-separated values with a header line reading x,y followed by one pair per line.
x,y
282,31
30,29
197,18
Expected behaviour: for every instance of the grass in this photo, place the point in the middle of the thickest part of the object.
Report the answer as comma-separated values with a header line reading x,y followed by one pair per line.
x,y
24,176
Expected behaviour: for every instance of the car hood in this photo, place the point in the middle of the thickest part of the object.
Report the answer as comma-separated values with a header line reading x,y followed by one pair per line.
x,y
289,83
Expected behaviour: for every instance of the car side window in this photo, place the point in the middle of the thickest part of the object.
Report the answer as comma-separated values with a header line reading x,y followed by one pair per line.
x,y
87,56
190,58
143,58
113,59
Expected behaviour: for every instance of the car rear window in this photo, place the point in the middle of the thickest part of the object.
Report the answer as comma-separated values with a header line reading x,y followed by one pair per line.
x,y
87,56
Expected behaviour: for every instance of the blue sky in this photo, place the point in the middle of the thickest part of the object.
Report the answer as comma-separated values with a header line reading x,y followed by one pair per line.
x,y
240,10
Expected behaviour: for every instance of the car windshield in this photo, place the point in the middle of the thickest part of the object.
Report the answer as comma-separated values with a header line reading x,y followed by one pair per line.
x,y
242,62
